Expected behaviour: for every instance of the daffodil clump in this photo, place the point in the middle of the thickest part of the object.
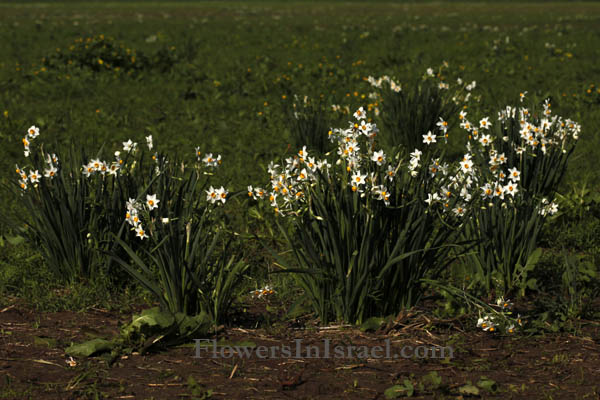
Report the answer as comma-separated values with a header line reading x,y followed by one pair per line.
x,y
515,164
78,205
187,261
496,196
70,216
180,251
362,223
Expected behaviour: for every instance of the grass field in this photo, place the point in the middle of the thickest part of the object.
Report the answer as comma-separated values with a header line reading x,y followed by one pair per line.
x,y
222,76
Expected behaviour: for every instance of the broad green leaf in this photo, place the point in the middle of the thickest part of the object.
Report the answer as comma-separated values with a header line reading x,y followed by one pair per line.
x,y
89,348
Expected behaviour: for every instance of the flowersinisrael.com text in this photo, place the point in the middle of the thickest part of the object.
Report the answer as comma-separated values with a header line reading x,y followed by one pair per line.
x,y
210,348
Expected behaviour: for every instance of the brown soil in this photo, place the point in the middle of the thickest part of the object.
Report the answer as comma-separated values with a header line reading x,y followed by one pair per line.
x,y
33,362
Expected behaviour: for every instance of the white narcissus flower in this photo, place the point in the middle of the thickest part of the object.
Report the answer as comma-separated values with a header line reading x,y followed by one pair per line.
x,y
221,195
459,211
129,145
443,125
114,168
103,167
358,179
487,191
431,198
131,216
34,176
140,232
259,192
382,193
429,138
132,204
152,201
364,127
149,142
88,170
466,166
50,172
303,153
360,114
33,132
378,157
522,96
416,154
303,175
486,324
390,173
511,188
499,191
212,195
251,192
485,123
211,161
514,173
485,140
95,163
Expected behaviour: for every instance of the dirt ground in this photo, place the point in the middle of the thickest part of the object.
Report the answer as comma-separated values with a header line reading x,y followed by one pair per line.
x,y
33,363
